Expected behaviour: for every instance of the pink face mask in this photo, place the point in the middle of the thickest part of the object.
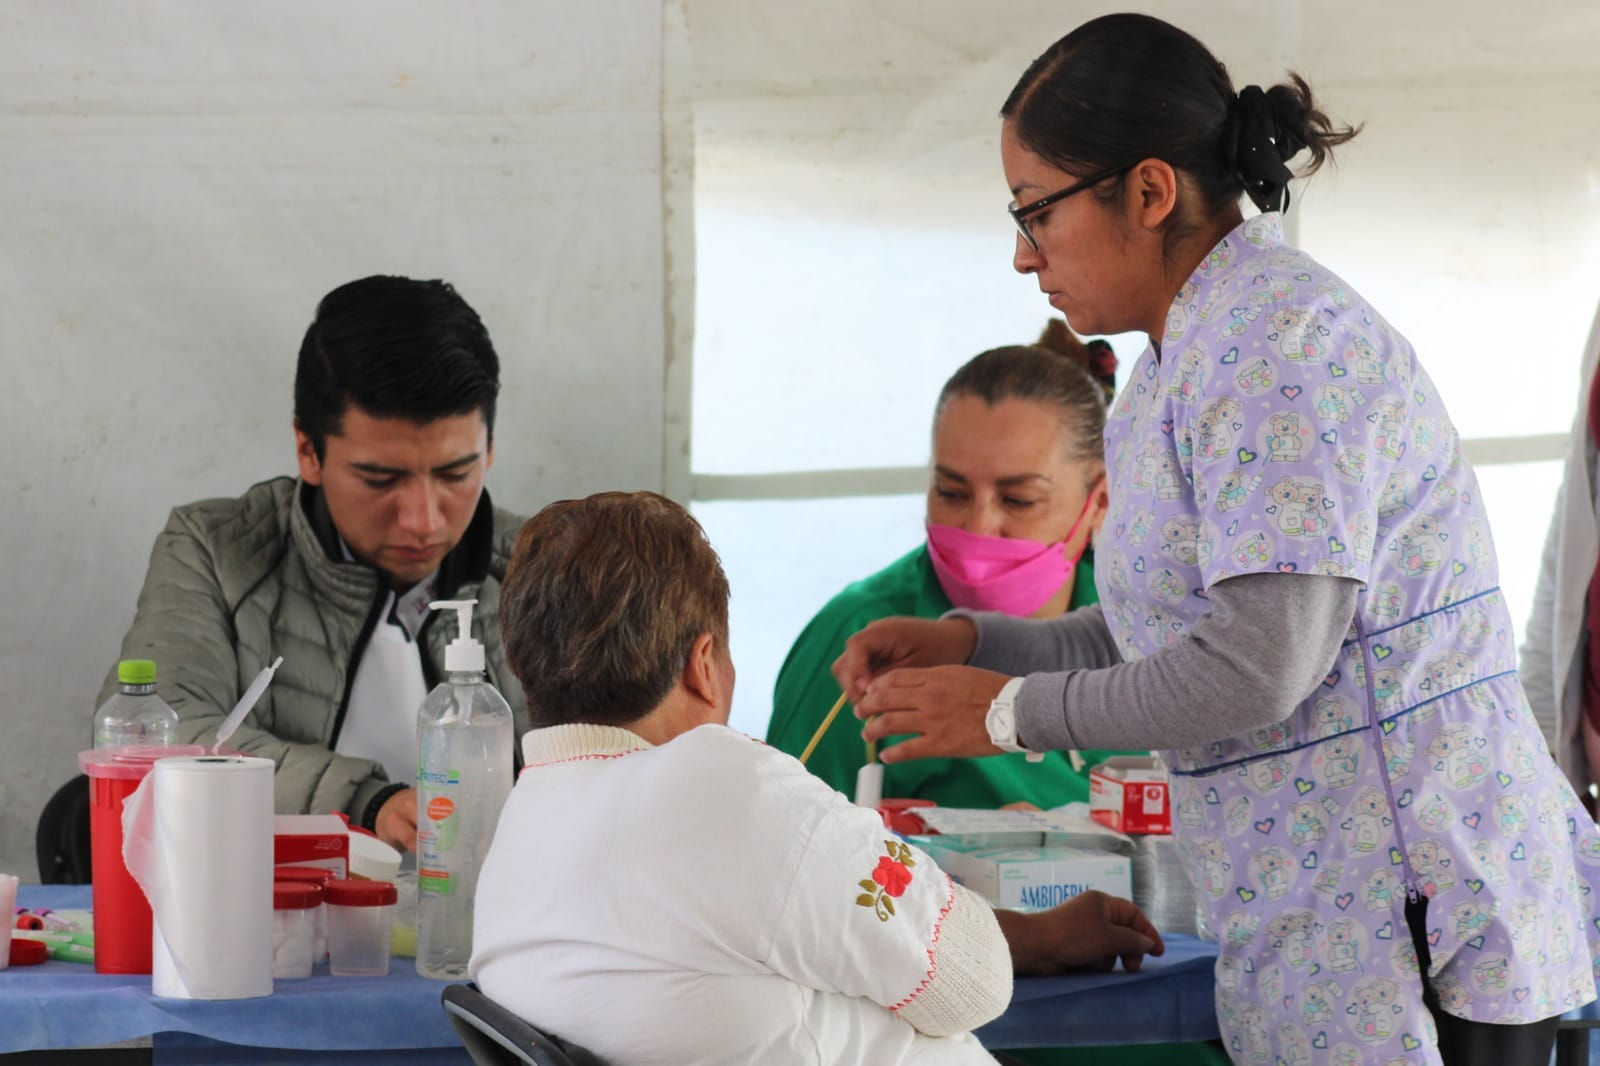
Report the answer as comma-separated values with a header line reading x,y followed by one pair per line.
x,y
1007,574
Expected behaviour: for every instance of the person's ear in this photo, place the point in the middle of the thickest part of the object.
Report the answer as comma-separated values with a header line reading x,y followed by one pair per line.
x,y
700,674
1100,503
1153,188
306,455
1096,507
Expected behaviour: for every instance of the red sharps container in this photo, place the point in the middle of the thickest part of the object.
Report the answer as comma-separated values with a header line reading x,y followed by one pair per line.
x,y
121,912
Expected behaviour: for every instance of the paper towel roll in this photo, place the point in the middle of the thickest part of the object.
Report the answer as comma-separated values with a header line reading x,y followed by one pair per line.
x,y
1161,885
197,836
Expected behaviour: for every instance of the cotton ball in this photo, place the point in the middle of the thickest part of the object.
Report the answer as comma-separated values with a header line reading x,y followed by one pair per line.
x,y
292,943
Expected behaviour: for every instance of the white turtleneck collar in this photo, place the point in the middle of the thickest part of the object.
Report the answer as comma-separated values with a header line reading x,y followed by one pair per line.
x,y
579,740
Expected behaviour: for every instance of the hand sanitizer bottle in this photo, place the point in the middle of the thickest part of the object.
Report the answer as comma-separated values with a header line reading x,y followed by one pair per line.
x,y
135,715
464,760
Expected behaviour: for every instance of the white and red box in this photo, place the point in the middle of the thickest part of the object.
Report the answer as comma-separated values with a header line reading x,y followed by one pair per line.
x,y
1129,793
1030,878
311,840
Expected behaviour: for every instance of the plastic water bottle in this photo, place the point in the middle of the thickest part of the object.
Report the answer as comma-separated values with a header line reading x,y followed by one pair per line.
x,y
464,756
135,715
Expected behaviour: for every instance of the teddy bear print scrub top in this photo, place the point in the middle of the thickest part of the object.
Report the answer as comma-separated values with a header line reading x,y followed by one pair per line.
x,y
1286,427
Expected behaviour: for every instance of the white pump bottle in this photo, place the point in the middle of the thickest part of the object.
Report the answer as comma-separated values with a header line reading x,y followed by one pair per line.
x,y
464,761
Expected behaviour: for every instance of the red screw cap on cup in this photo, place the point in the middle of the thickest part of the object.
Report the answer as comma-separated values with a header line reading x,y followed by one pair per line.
x,y
360,893
295,896
28,952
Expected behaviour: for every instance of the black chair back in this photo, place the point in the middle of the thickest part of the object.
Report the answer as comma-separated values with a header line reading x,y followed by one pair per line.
x,y
62,840
493,1036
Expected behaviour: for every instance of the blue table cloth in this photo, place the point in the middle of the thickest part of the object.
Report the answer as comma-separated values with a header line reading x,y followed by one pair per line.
x,y
1168,1000
397,1019
62,1004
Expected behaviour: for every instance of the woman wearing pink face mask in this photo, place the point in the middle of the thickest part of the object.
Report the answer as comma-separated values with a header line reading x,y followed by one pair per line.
x,y
1018,490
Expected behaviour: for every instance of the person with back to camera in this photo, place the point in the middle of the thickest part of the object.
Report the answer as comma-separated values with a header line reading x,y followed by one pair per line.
x,y
663,889
1015,498
394,402
1336,645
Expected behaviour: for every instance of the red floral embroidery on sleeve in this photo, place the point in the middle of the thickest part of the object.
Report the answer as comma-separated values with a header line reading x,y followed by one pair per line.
x,y
889,880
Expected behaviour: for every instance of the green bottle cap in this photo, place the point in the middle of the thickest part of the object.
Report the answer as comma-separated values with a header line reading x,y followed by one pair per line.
x,y
136,672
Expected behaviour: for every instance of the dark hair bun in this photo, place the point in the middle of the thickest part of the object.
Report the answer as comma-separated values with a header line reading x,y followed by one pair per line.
x,y
1271,127
1095,356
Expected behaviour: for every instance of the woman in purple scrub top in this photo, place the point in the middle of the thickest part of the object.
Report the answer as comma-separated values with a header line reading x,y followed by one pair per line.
x,y
1300,601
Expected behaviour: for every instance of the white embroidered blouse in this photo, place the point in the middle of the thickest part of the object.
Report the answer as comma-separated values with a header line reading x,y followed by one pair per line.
x,y
710,901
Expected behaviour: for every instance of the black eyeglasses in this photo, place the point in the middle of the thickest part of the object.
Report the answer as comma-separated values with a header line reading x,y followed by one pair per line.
x,y
1020,213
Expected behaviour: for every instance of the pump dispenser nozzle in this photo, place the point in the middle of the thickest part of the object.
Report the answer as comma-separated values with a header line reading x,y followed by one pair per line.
x,y
464,654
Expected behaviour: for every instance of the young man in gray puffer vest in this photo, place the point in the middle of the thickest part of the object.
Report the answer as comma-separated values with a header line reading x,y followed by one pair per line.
x,y
394,402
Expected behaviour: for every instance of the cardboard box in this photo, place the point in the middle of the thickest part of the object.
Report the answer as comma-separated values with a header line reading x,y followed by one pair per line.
x,y
1129,793
1031,878
1012,828
311,840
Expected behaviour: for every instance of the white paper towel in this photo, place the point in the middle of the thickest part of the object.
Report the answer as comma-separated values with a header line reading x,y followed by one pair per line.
x,y
197,837
1161,885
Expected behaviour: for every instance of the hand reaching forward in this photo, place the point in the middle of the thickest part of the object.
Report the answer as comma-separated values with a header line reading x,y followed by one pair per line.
x,y
1090,931
396,824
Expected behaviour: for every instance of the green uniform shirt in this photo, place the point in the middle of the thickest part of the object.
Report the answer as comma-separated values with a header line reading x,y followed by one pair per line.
x,y
806,690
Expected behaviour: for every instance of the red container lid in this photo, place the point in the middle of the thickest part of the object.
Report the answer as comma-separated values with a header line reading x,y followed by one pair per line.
x,y
295,896
355,893
131,763
28,952
312,875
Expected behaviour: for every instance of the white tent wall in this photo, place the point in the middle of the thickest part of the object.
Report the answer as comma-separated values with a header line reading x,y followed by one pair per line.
x,y
182,181
853,250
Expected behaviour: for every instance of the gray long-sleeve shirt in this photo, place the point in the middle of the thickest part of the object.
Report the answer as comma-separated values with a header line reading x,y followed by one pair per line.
x,y
1263,647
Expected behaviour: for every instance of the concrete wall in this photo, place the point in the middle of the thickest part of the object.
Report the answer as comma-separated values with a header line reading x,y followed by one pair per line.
x,y
181,183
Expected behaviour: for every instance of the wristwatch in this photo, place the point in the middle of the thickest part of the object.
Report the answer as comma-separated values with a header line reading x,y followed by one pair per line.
x,y
1001,720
